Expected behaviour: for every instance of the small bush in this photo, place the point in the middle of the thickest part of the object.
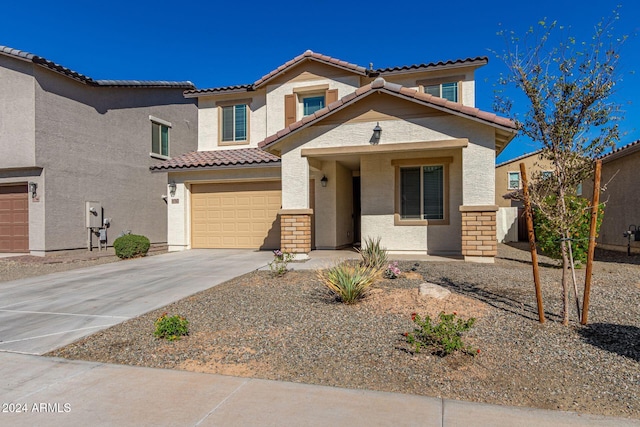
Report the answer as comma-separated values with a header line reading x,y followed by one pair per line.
x,y
443,337
131,246
348,282
373,254
280,261
548,238
392,271
171,328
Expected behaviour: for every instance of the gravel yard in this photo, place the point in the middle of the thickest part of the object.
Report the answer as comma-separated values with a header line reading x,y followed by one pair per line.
x,y
289,329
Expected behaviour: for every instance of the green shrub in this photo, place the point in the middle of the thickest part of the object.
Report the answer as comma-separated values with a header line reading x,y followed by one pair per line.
x,y
373,254
171,328
443,337
347,281
548,239
131,246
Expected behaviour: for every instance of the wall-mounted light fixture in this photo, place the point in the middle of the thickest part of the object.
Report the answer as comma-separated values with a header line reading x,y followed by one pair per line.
x,y
172,188
324,181
32,189
377,131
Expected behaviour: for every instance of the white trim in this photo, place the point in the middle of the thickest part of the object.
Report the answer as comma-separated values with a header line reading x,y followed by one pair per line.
x,y
160,121
159,156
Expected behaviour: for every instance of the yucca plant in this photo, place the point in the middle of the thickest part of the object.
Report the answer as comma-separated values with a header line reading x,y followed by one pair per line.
x,y
373,254
347,281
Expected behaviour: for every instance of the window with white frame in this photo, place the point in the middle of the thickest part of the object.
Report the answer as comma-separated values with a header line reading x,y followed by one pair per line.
x,y
234,123
514,180
159,137
547,174
448,91
422,192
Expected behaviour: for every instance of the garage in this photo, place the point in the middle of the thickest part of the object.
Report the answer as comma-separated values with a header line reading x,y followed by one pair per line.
x,y
14,218
236,215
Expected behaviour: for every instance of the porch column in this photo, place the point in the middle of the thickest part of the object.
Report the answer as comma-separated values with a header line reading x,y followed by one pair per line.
x,y
295,215
295,231
479,242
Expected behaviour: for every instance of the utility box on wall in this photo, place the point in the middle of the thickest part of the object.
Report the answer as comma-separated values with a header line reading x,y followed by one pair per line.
x,y
93,214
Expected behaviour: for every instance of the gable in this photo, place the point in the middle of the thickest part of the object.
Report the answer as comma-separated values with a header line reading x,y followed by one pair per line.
x,y
310,70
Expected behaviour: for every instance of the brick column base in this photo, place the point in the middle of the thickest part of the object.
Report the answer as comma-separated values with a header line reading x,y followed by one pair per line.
x,y
479,240
295,230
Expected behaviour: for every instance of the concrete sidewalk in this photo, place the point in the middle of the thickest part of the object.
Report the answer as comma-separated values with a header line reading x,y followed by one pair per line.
x,y
58,392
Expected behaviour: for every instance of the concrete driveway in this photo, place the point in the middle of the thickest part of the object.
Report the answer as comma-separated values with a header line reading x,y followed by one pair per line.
x,y
43,313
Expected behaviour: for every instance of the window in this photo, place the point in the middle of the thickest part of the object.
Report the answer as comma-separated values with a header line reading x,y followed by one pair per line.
x,y
234,123
514,180
547,174
579,190
447,91
311,104
160,138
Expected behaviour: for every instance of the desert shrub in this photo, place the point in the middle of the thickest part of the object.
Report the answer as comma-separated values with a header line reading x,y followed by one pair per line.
x,y
392,271
443,337
373,254
548,239
348,281
131,246
171,328
280,261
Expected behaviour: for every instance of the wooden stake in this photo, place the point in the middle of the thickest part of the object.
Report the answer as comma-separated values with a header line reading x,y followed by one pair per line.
x,y
592,241
532,242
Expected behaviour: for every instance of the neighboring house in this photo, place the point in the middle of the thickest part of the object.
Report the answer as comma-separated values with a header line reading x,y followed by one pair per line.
x,y
511,219
321,154
66,139
621,180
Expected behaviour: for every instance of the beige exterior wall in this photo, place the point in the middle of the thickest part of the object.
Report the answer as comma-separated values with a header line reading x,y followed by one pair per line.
x,y
534,165
622,203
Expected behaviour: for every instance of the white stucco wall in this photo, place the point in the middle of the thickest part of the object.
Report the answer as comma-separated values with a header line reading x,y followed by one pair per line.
x,y
276,93
468,83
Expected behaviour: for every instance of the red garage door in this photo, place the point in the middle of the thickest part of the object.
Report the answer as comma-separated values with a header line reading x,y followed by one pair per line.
x,y
14,218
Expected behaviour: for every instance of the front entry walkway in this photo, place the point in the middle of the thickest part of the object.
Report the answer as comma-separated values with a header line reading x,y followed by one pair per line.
x,y
43,313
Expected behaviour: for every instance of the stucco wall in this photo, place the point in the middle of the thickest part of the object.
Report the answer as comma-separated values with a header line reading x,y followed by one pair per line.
x,y
94,145
17,114
622,201
534,164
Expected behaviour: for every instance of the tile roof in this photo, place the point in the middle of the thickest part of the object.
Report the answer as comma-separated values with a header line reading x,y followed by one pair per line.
x,y
380,85
621,151
19,54
219,158
313,56
523,156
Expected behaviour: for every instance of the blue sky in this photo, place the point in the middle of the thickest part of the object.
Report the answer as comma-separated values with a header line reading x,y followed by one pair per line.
x,y
218,43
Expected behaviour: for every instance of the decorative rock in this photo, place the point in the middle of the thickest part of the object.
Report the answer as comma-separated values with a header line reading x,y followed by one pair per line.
x,y
434,291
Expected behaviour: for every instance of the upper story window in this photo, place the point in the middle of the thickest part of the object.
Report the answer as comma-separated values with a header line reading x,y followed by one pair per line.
x,y
311,104
514,180
306,100
448,91
159,136
234,123
446,87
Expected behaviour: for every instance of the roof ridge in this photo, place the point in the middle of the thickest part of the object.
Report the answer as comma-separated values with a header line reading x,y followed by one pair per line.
x,y
53,66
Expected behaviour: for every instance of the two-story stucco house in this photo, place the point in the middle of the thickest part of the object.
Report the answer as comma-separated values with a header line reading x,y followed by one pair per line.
x,y
321,154
67,139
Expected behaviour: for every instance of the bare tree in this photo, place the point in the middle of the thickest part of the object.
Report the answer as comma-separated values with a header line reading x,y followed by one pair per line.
x,y
567,85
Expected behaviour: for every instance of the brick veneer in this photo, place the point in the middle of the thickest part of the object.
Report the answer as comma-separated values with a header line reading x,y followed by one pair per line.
x,y
479,232
295,233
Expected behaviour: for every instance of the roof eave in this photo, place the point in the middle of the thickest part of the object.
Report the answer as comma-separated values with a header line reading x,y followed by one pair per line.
x,y
155,169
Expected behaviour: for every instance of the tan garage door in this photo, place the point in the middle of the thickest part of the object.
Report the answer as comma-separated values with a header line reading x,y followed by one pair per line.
x,y
14,218
239,215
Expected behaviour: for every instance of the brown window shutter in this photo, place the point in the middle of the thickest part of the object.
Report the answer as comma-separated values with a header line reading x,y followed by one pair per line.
x,y
289,109
331,96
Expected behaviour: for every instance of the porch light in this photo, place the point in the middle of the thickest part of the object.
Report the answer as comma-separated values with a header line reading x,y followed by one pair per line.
x,y
377,131
172,188
32,189
324,181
